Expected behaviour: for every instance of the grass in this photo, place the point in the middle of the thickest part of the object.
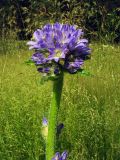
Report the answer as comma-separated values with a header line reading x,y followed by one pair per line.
x,y
90,107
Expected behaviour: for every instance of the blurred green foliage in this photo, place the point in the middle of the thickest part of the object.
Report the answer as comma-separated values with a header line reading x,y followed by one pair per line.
x,y
99,19
90,107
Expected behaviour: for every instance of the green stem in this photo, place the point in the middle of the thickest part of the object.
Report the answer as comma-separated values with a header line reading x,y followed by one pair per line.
x,y
52,120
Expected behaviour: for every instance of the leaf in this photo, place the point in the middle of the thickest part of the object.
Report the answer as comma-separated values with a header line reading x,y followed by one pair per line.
x,y
85,73
47,78
43,79
29,62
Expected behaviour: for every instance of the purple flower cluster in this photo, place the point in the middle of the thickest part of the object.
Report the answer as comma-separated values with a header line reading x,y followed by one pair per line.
x,y
63,156
59,47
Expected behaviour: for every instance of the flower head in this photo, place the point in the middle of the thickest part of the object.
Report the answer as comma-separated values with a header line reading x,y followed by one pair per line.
x,y
59,47
63,156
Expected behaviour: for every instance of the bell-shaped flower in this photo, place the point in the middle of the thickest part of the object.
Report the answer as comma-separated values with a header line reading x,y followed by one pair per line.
x,y
63,156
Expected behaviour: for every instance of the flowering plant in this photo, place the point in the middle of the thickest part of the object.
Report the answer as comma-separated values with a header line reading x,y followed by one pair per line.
x,y
59,47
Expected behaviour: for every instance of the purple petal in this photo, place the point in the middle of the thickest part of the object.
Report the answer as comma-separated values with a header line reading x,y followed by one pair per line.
x,y
38,34
40,69
38,58
65,27
46,70
43,70
31,43
57,156
56,59
57,26
56,71
47,28
45,122
78,33
64,155
72,43
83,41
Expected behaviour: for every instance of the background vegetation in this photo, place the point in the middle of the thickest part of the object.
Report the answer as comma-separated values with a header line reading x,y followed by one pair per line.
x,y
90,107
99,19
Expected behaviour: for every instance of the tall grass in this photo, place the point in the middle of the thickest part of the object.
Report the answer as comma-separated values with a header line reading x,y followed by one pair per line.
x,y
90,107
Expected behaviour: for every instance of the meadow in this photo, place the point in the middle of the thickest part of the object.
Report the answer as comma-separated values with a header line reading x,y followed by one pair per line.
x,y
90,106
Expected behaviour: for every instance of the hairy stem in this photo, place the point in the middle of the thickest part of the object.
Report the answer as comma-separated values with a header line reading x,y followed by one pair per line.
x,y
52,120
